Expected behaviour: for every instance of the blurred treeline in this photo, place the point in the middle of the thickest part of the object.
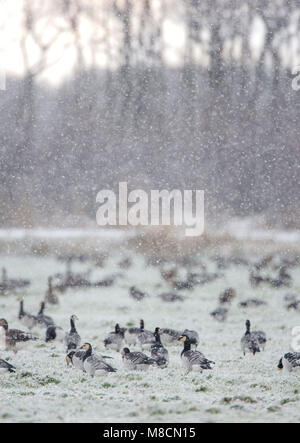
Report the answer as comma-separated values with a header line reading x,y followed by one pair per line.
x,y
225,119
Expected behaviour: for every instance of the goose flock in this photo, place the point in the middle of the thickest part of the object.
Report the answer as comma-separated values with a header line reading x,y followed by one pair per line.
x,y
140,348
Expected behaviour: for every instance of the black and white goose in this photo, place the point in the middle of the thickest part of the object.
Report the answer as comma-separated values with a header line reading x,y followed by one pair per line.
x,y
44,320
145,338
6,367
158,352
28,320
93,363
54,332
76,358
13,338
115,339
72,338
136,360
191,358
253,342
290,362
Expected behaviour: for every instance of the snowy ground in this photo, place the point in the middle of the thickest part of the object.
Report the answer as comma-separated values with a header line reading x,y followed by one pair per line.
x,y
238,389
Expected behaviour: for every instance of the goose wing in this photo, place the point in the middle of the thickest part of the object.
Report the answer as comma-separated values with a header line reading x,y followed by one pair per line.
x,y
293,358
16,335
98,364
138,358
197,358
171,333
113,337
79,354
146,337
5,365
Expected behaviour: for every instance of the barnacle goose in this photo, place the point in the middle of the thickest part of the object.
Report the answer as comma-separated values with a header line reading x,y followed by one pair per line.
x,y
290,362
252,342
72,338
191,358
158,352
76,358
115,339
136,360
13,338
94,363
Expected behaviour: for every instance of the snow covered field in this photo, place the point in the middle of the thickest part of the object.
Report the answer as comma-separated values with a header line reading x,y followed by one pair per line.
x,y
238,389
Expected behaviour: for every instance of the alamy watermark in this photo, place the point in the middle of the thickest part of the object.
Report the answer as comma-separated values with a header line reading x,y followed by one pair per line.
x,y
156,208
